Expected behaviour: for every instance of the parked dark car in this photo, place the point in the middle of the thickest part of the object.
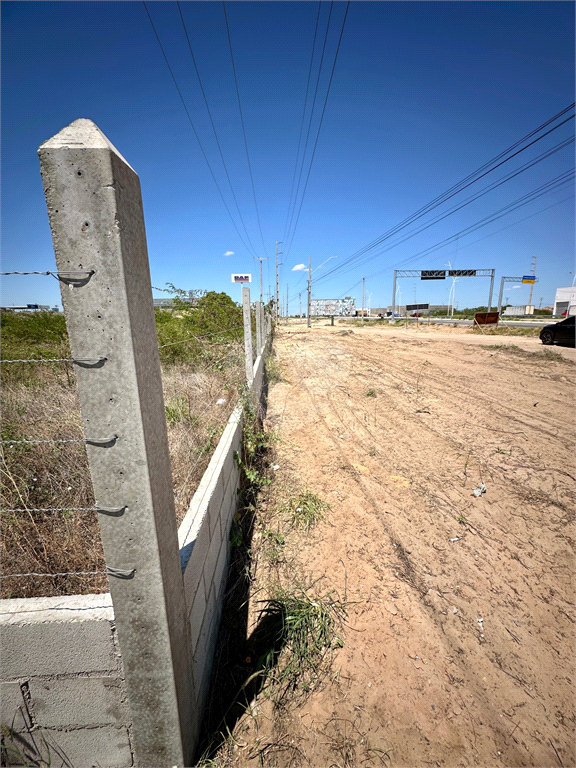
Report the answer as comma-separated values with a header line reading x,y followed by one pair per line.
x,y
562,332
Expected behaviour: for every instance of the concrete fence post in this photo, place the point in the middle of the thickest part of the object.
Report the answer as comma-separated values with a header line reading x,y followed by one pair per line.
x,y
259,328
97,223
247,334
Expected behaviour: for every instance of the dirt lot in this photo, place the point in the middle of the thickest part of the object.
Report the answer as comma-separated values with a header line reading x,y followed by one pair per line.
x,y
459,646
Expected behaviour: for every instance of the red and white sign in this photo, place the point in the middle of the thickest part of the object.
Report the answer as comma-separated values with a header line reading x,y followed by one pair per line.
x,y
242,278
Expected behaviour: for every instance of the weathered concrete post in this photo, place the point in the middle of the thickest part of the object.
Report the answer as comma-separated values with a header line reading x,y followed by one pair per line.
x,y
97,222
247,334
259,328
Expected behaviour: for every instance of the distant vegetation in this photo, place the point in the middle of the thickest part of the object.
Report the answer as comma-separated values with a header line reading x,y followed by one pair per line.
x,y
46,483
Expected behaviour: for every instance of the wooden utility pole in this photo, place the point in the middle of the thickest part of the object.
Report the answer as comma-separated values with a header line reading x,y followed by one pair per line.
x,y
363,281
287,305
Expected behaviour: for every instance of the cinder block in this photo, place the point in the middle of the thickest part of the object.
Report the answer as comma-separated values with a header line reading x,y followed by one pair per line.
x,y
199,549
209,653
215,502
202,646
229,503
197,613
221,572
91,747
13,707
84,748
57,648
212,559
79,701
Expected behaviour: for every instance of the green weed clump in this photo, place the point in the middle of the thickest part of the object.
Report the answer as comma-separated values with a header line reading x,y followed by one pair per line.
x,y
304,628
33,335
272,369
306,509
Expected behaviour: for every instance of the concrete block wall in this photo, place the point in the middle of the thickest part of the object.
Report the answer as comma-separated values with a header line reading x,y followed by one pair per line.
x,y
63,692
205,546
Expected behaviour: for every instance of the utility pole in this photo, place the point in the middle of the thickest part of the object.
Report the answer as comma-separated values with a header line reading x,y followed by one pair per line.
x,y
363,281
287,311
260,259
300,302
278,242
309,291
532,284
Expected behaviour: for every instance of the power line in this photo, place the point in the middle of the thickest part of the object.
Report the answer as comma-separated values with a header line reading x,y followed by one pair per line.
x,y
320,124
476,175
459,206
551,186
214,127
302,123
193,128
310,120
243,128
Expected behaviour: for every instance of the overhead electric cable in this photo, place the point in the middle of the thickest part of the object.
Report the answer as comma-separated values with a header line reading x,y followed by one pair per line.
x,y
460,186
302,123
193,128
320,124
459,206
550,186
310,123
242,121
214,127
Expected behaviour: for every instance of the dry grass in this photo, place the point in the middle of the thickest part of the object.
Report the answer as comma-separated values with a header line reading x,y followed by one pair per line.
x,y
45,406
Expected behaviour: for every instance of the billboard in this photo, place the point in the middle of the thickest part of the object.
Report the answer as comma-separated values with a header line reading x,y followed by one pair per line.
x,y
529,279
462,273
411,307
433,274
486,318
242,278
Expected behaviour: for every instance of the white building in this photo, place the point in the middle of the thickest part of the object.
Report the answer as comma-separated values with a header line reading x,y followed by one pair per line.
x,y
565,302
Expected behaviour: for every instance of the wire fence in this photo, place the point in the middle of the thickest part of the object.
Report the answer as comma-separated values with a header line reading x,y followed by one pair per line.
x,y
198,404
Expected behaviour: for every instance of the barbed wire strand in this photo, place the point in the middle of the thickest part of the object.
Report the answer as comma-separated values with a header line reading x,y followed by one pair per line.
x,y
52,509
59,360
58,275
102,440
54,575
110,571
106,510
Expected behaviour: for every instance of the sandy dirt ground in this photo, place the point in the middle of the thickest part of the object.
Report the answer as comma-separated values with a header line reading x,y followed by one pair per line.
x,y
460,641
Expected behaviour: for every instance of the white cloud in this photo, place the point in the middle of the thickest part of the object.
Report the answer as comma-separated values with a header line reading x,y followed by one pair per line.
x,y
516,286
300,268
229,253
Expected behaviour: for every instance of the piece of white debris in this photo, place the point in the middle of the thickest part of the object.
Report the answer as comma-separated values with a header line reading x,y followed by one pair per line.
x,y
298,509
221,401
454,609
479,491
275,467
457,538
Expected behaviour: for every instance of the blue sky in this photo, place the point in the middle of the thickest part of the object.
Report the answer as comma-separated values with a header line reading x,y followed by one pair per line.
x,y
423,94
